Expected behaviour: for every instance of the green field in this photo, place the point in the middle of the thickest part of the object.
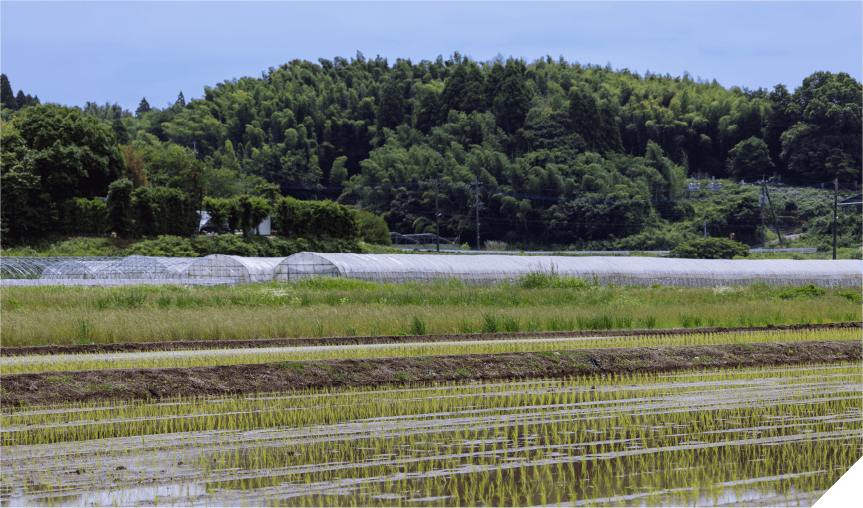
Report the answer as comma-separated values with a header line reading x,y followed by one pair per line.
x,y
343,307
777,435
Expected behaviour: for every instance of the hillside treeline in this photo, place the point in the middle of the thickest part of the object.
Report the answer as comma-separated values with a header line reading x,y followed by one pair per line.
x,y
566,153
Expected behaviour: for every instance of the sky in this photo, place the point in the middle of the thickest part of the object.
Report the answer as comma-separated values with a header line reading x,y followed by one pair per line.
x,y
74,52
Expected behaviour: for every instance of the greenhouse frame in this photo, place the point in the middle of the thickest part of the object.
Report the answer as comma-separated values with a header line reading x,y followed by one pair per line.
x,y
399,268
486,269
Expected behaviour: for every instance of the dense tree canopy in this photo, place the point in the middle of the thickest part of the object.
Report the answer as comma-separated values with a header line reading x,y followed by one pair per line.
x,y
565,152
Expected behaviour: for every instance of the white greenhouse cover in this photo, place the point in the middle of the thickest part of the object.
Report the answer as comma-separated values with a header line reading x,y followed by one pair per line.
x,y
239,269
481,269
475,268
83,271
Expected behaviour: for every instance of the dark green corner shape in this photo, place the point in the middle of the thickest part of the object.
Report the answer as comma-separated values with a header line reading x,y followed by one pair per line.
x,y
847,492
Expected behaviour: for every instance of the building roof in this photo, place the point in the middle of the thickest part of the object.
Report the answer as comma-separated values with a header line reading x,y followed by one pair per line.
x,y
852,201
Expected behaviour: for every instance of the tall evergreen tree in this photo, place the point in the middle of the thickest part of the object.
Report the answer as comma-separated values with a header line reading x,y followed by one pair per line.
x,y
391,108
7,96
609,134
120,131
512,102
429,112
20,100
472,97
493,82
454,89
143,107
584,116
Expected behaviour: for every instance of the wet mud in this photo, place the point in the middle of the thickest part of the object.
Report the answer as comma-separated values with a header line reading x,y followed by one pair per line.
x,y
155,384
131,347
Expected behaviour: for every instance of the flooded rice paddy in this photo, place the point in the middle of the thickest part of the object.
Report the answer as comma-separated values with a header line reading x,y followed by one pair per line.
x,y
699,437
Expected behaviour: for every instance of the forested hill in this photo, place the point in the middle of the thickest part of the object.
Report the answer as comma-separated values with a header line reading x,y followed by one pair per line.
x,y
618,146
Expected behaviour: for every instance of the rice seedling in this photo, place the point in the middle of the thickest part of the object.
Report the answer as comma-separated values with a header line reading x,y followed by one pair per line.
x,y
212,357
701,437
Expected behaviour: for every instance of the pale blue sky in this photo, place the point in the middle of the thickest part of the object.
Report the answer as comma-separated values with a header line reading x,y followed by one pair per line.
x,y
74,52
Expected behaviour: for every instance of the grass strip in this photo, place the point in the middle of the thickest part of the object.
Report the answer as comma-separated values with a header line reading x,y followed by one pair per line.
x,y
342,307
211,358
129,347
149,384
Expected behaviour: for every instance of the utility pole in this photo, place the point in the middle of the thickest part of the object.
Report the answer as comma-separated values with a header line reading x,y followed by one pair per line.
x,y
769,202
436,215
477,203
761,204
835,212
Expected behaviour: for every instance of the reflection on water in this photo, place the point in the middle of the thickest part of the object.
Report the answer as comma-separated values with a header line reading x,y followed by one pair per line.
x,y
647,444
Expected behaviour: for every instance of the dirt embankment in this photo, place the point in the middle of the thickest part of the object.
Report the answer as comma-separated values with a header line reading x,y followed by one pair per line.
x,y
133,347
155,384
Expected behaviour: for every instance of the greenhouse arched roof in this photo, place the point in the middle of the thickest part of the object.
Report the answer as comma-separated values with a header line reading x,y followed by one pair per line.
x,y
477,269
238,269
618,270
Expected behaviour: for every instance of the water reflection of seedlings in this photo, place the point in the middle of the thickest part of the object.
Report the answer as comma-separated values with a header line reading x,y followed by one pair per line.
x,y
535,442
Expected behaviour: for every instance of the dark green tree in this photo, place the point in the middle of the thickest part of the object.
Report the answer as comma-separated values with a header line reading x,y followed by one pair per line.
x,y
121,215
493,82
338,173
749,159
79,216
7,96
825,141
609,134
143,107
26,210
584,117
512,102
391,110
252,210
20,100
454,88
428,115
778,122
220,209
373,229
73,156
145,211
710,248
120,131
473,96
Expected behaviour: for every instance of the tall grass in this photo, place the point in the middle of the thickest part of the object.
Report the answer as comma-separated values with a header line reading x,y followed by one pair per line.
x,y
330,307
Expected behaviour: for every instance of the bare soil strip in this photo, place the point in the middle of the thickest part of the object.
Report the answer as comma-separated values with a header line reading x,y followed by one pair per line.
x,y
154,384
130,347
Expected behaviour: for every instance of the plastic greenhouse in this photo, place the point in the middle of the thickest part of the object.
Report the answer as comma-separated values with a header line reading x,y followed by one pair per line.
x,y
237,269
475,269
86,271
484,269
